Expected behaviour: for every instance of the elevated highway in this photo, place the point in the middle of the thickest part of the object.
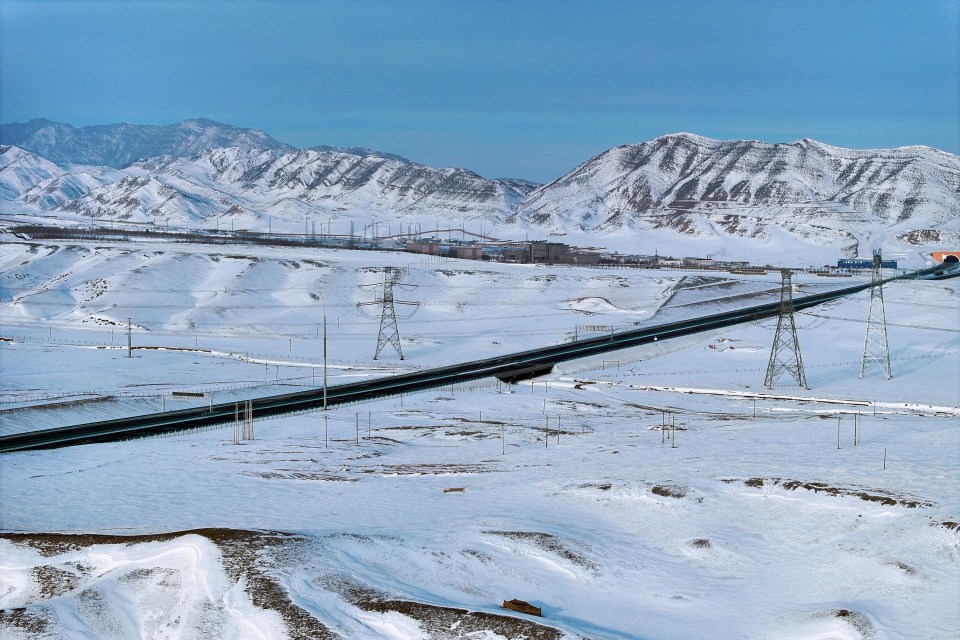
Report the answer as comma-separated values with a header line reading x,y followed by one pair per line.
x,y
511,366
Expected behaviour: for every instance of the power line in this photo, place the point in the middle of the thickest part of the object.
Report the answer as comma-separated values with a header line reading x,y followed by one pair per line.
x,y
824,316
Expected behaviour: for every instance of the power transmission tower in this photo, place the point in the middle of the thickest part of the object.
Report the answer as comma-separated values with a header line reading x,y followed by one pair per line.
x,y
248,420
785,354
237,437
389,332
876,350
242,423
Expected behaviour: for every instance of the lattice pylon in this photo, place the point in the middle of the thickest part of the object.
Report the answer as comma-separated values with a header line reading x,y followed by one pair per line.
x,y
236,423
389,332
248,420
785,355
876,349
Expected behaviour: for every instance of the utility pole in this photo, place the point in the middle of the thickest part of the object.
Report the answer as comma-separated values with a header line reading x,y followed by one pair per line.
x,y
324,362
785,354
876,349
129,338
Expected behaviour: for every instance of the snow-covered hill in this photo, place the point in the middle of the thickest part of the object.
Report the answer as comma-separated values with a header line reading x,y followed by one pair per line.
x,y
255,185
698,186
20,171
33,183
358,181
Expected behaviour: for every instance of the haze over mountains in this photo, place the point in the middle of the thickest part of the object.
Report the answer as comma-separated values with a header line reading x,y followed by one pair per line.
x,y
117,145
677,188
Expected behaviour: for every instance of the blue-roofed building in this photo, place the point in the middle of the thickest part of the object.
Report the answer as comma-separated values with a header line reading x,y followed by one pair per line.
x,y
861,263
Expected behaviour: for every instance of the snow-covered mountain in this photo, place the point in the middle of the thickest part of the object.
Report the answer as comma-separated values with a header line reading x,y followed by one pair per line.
x,y
699,186
683,192
116,145
21,171
328,180
31,182
256,183
142,199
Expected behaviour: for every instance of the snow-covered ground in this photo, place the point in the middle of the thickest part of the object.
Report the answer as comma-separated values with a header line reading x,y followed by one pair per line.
x,y
394,518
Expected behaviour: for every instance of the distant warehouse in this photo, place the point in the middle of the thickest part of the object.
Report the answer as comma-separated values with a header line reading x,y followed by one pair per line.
x,y
859,263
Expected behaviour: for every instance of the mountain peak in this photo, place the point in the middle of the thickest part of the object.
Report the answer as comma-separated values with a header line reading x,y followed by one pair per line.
x,y
691,137
362,152
204,122
43,122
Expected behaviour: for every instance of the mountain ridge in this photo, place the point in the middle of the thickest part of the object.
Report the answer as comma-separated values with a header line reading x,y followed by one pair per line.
x,y
117,145
675,186
682,171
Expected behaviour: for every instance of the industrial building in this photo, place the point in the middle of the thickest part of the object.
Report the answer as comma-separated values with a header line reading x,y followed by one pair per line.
x,y
862,263
535,252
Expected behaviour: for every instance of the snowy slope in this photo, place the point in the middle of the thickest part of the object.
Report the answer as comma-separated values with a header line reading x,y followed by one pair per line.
x,y
255,185
283,292
699,186
29,182
21,171
357,181
751,522
144,199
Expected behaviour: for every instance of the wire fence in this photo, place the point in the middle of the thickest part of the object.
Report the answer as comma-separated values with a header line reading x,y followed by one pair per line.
x,y
342,424
806,365
11,398
288,359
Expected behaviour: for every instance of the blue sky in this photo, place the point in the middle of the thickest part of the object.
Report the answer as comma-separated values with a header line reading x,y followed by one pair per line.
x,y
508,89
